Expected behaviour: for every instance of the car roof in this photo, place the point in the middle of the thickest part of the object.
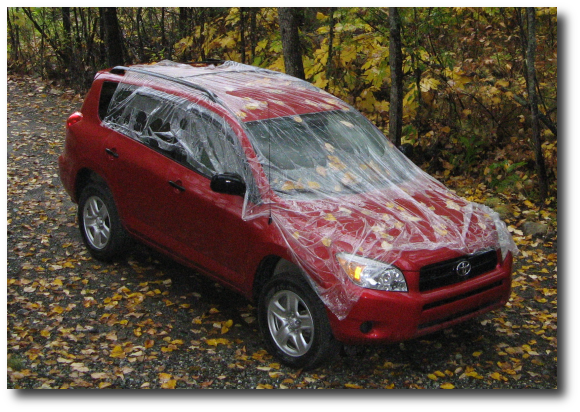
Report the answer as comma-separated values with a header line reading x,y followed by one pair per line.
x,y
250,92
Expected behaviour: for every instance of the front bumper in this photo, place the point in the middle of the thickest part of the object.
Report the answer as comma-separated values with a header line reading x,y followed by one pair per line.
x,y
386,317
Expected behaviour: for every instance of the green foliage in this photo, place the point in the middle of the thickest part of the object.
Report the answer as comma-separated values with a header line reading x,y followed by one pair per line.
x,y
504,175
471,148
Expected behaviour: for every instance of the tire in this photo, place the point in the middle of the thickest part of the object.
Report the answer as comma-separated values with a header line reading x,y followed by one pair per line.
x,y
99,224
294,323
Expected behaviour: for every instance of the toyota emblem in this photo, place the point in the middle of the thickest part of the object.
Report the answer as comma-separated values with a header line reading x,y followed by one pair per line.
x,y
463,268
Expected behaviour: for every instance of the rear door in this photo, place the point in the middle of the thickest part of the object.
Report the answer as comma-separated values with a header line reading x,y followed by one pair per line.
x,y
136,169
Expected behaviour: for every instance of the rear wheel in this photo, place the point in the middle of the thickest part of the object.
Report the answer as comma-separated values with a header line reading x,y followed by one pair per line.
x,y
294,323
100,226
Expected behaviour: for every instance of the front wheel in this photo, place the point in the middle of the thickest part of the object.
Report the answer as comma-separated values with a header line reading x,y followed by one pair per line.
x,y
294,323
100,226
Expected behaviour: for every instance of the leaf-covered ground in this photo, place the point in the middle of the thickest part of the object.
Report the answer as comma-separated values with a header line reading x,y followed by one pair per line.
x,y
146,322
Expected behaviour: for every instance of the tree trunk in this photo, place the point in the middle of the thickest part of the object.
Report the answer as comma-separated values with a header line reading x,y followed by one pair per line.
x,y
14,41
67,38
291,42
253,38
533,98
114,41
242,35
164,43
330,41
396,64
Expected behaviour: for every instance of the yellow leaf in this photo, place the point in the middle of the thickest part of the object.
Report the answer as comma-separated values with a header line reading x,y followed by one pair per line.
x,y
226,326
170,384
313,185
118,352
164,377
432,377
58,309
215,342
474,374
496,376
447,385
352,386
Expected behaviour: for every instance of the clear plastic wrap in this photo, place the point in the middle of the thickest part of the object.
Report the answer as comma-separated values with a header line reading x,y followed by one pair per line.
x,y
331,181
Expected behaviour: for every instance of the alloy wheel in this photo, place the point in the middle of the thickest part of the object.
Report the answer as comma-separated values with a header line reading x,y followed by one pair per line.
x,y
96,222
290,322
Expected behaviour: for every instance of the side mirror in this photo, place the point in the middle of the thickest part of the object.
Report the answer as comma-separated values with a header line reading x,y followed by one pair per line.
x,y
228,183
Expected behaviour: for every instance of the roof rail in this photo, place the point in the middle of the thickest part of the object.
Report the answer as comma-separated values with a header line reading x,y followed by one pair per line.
x,y
209,93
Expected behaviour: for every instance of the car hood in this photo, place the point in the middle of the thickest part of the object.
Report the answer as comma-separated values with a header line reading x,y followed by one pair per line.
x,y
408,225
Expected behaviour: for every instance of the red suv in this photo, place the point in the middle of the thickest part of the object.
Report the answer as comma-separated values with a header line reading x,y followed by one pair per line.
x,y
285,194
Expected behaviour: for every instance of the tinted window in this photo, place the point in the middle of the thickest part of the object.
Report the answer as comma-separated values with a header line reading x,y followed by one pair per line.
x,y
107,92
176,127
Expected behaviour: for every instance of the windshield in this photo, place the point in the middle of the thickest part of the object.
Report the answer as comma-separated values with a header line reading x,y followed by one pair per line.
x,y
326,153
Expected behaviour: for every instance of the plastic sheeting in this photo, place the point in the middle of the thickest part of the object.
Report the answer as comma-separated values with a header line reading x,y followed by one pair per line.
x,y
330,180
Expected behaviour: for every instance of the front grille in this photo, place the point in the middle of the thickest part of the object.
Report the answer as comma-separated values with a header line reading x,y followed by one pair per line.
x,y
462,296
457,315
444,273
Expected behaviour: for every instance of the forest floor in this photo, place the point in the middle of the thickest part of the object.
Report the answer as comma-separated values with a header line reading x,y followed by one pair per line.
x,y
146,322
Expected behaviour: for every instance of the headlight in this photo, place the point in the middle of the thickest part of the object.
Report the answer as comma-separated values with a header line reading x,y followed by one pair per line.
x,y
372,274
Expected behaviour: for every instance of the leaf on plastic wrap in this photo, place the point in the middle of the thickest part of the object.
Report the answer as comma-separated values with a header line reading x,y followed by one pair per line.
x,y
452,205
330,217
313,185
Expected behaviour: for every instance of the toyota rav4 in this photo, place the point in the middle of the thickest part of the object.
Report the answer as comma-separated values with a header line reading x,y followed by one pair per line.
x,y
285,194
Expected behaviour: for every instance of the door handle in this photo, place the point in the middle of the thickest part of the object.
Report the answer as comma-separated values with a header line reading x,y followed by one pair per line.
x,y
177,185
112,152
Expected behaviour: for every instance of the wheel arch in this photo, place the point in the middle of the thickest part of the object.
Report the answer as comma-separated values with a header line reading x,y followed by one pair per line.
x,y
270,266
85,177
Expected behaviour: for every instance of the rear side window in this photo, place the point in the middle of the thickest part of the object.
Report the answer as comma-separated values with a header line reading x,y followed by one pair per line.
x,y
107,91
175,127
